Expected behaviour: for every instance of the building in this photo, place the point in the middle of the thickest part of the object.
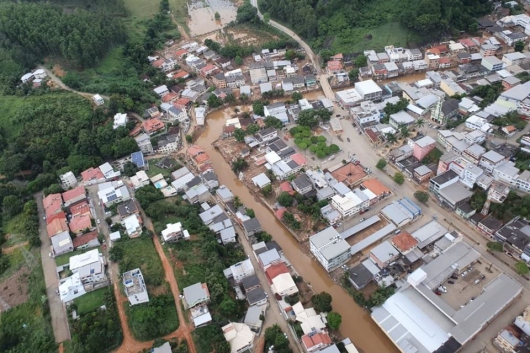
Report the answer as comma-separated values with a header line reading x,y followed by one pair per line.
x,y
401,118
316,342
196,294
523,182
144,143
120,120
489,226
492,63
283,284
153,125
330,249
490,160
508,340
383,254
362,274
239,336
71,288
239,271
174,232
515,235
135,288
369,90
422,173
404,242
132,225
53,204
90,266
258,73
251,227
422,147
506,172
98,100
73,196
68,180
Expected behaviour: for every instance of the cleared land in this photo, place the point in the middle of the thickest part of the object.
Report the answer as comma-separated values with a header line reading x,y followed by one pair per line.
x,y
90,301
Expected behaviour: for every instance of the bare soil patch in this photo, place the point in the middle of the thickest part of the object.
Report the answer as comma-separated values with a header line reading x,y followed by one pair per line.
x,y
14,290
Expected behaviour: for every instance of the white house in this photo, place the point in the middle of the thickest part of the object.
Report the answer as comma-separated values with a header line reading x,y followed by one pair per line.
x,y
71,288
132,226
68,180
135,287
330,249
174,232
98,100
120,120
161,90
283,285
90,266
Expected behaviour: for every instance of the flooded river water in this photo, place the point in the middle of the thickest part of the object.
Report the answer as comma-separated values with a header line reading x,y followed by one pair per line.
x,y
356,322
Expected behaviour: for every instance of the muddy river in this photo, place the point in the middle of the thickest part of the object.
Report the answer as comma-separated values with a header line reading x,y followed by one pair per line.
x,y
356,322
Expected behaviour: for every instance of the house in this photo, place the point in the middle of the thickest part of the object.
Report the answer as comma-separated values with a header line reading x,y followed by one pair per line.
x,y
489,226
302,184
90,266
144,143
523,182
80,208
132,225
98,100
135,288
473,153
140,179
161,91
251,226
111,193
401,118
151,126
80,223
492,63
71,288
277,110
53,204
85,241
168,143
268,258
510,38
57,225
514,58
422,173
253,318
174,232
309,320
258,73
261,180
383,254
68,180
228,235
73,196
120,120
509,130
330,249
239,336
283,284
369,90
422,147
61,243
316,342
239,271
506,172
256,297
267,135
196,294
165,348
510,82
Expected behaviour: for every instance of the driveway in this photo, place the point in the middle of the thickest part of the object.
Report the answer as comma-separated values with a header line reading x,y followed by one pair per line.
x,y
61,330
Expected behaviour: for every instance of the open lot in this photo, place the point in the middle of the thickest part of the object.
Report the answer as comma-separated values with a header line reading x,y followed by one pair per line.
x,y
247,35
356,238
14,289
90,301
465,288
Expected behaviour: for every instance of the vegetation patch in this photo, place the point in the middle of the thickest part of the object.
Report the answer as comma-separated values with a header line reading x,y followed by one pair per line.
x,y
304,139
90,301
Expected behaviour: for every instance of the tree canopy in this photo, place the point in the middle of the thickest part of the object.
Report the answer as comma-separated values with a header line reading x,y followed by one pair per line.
x,y
322,302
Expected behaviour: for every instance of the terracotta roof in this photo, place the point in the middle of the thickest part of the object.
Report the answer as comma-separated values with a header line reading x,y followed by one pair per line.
x,y
74,193
92,174
181,52
80,208
194,150
510,128
85,238
229,129
79,223
180,74
375,186
208,68
442,48
169,97
181,102
434,51
279,213
202,158
287,187
349,173
404,241
56,226
55,216
444,60
316,339
334,65
152,125
52,204
275,270
299,159
468,42
157,63
205,167
372,135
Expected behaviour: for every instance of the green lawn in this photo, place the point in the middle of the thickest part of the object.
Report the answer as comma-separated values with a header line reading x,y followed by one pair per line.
x,y
154,170
65,258
9,105
141,253
15,228
90,301
111,61
142,9
179,9
16,261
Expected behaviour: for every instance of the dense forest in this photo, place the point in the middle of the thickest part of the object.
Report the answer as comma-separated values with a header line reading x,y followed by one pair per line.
x,y
322,22
82,37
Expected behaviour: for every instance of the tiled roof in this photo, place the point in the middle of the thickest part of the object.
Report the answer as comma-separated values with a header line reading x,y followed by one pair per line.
x,y
92,174
404,241
79,223
375,186
85,238
74,193
273,271
57,226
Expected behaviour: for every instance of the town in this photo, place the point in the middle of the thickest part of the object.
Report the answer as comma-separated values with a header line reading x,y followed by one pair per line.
x,y
283,201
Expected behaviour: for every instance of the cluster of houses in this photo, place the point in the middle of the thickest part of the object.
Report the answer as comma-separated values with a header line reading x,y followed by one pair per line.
x,y
516,336
35,77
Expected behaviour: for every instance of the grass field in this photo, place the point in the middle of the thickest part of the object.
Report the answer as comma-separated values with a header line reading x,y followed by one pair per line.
x,y
154,170
65,258
111,61
142,9
391,33
141,253
15,228
90,301
9,105
179,9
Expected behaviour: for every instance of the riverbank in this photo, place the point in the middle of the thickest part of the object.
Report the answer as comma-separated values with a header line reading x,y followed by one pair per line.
x,y
356,322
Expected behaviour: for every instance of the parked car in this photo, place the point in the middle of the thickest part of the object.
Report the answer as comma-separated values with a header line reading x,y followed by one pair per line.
x,y
442,289
348,139
451,282
362,220
98,221
464,274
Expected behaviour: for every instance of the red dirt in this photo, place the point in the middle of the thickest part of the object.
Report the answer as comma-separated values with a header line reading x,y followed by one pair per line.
x,y
13,248
14,290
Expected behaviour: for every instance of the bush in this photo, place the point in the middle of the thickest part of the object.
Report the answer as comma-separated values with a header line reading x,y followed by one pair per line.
x,y
421,196
334,320
495,246
322,302
285,199
381,164
399,178
522,268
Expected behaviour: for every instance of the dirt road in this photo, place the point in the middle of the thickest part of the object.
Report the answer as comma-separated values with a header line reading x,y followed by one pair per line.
x,y
182,31
13,248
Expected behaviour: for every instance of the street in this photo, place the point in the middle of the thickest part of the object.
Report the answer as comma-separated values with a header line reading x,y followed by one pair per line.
x,y
61,329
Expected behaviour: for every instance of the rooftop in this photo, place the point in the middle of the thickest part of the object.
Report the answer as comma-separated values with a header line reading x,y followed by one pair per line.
x,y
404,241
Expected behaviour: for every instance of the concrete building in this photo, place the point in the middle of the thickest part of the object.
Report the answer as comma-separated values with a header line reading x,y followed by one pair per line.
x,y
135,288
330,249
68,180
422,147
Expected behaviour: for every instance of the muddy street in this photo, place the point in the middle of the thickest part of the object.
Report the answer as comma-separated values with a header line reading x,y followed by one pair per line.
x,y
356,322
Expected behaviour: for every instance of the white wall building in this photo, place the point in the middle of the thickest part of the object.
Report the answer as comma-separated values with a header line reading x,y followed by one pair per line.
x,y
135,287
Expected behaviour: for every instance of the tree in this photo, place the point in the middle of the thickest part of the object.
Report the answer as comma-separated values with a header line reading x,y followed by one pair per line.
x,y
322,302
239,165
130,169
228,307
296,96
266,17
285,199
252,129
404,131
334,320
353,75
12,205
189,138
399,178
267,190
247,13
421,196
361,61
272,121
238,60
116,253
381,164
257,108
519,46
230,98
495,246
250,212
239,135
420,123
243,98
390,138
522,268
308,118
214,101
217,16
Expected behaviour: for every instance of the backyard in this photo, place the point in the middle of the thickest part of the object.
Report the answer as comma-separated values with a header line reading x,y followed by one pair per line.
x,y
90,301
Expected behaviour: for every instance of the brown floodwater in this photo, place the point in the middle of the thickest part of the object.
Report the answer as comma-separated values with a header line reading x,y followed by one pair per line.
x,y
356,322
202,15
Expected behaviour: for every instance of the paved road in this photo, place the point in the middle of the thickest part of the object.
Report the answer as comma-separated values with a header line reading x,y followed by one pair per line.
x,y
61,330
61,84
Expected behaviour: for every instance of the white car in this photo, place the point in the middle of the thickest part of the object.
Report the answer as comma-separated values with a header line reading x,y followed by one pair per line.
x,y
442,289
98,221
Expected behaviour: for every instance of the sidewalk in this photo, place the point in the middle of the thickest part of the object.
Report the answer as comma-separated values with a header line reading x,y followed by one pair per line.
x,y
61,330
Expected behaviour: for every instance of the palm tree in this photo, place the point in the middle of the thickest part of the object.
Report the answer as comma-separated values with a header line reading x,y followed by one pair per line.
x,y
420,123
404,131
390,138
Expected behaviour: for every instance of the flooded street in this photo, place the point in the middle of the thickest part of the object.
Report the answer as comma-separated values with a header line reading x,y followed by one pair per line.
x,y
407,79
356,322
202,15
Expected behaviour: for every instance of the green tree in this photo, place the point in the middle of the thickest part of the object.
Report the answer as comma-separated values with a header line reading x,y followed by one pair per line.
x,y
420,123
238,60
243,98
217,16
495,246
381,164
228,307
290,54
247,13
250,212
390,138
519,46
322,302
421,196
12,205
189,138
214,101
239,165
272,121
252,129
130,169
353,75
257,108
399,178
522,268
116,254
334,320
361,61
285,199
267,190
296,96
239,135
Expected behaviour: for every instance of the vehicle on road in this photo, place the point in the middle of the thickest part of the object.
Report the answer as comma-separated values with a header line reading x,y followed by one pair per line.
x,y
362,220
464,274
451,282
442,289
98,221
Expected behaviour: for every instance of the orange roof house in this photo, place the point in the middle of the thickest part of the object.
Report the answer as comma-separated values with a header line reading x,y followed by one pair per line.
x,y
316,341
180,74
180,53
349,174
56,226
201,159
334,65
92,174
275,270
52,204
194,150
157,63
79,223
444,60
299,159
279,213
287,187
84,239
153,125
55,216
80,209
170,97
74,195
182,103
376,187
404,242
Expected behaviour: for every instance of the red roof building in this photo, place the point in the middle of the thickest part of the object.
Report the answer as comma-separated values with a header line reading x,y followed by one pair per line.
x,y
56,226
55,216
81,208
180,74
74,195
80,223
274,270
287,187
180,53
157,63
194,150
52,204
299,159
404,242
151,126
84,239
279,213
182,103
92,174
316,341
170,97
